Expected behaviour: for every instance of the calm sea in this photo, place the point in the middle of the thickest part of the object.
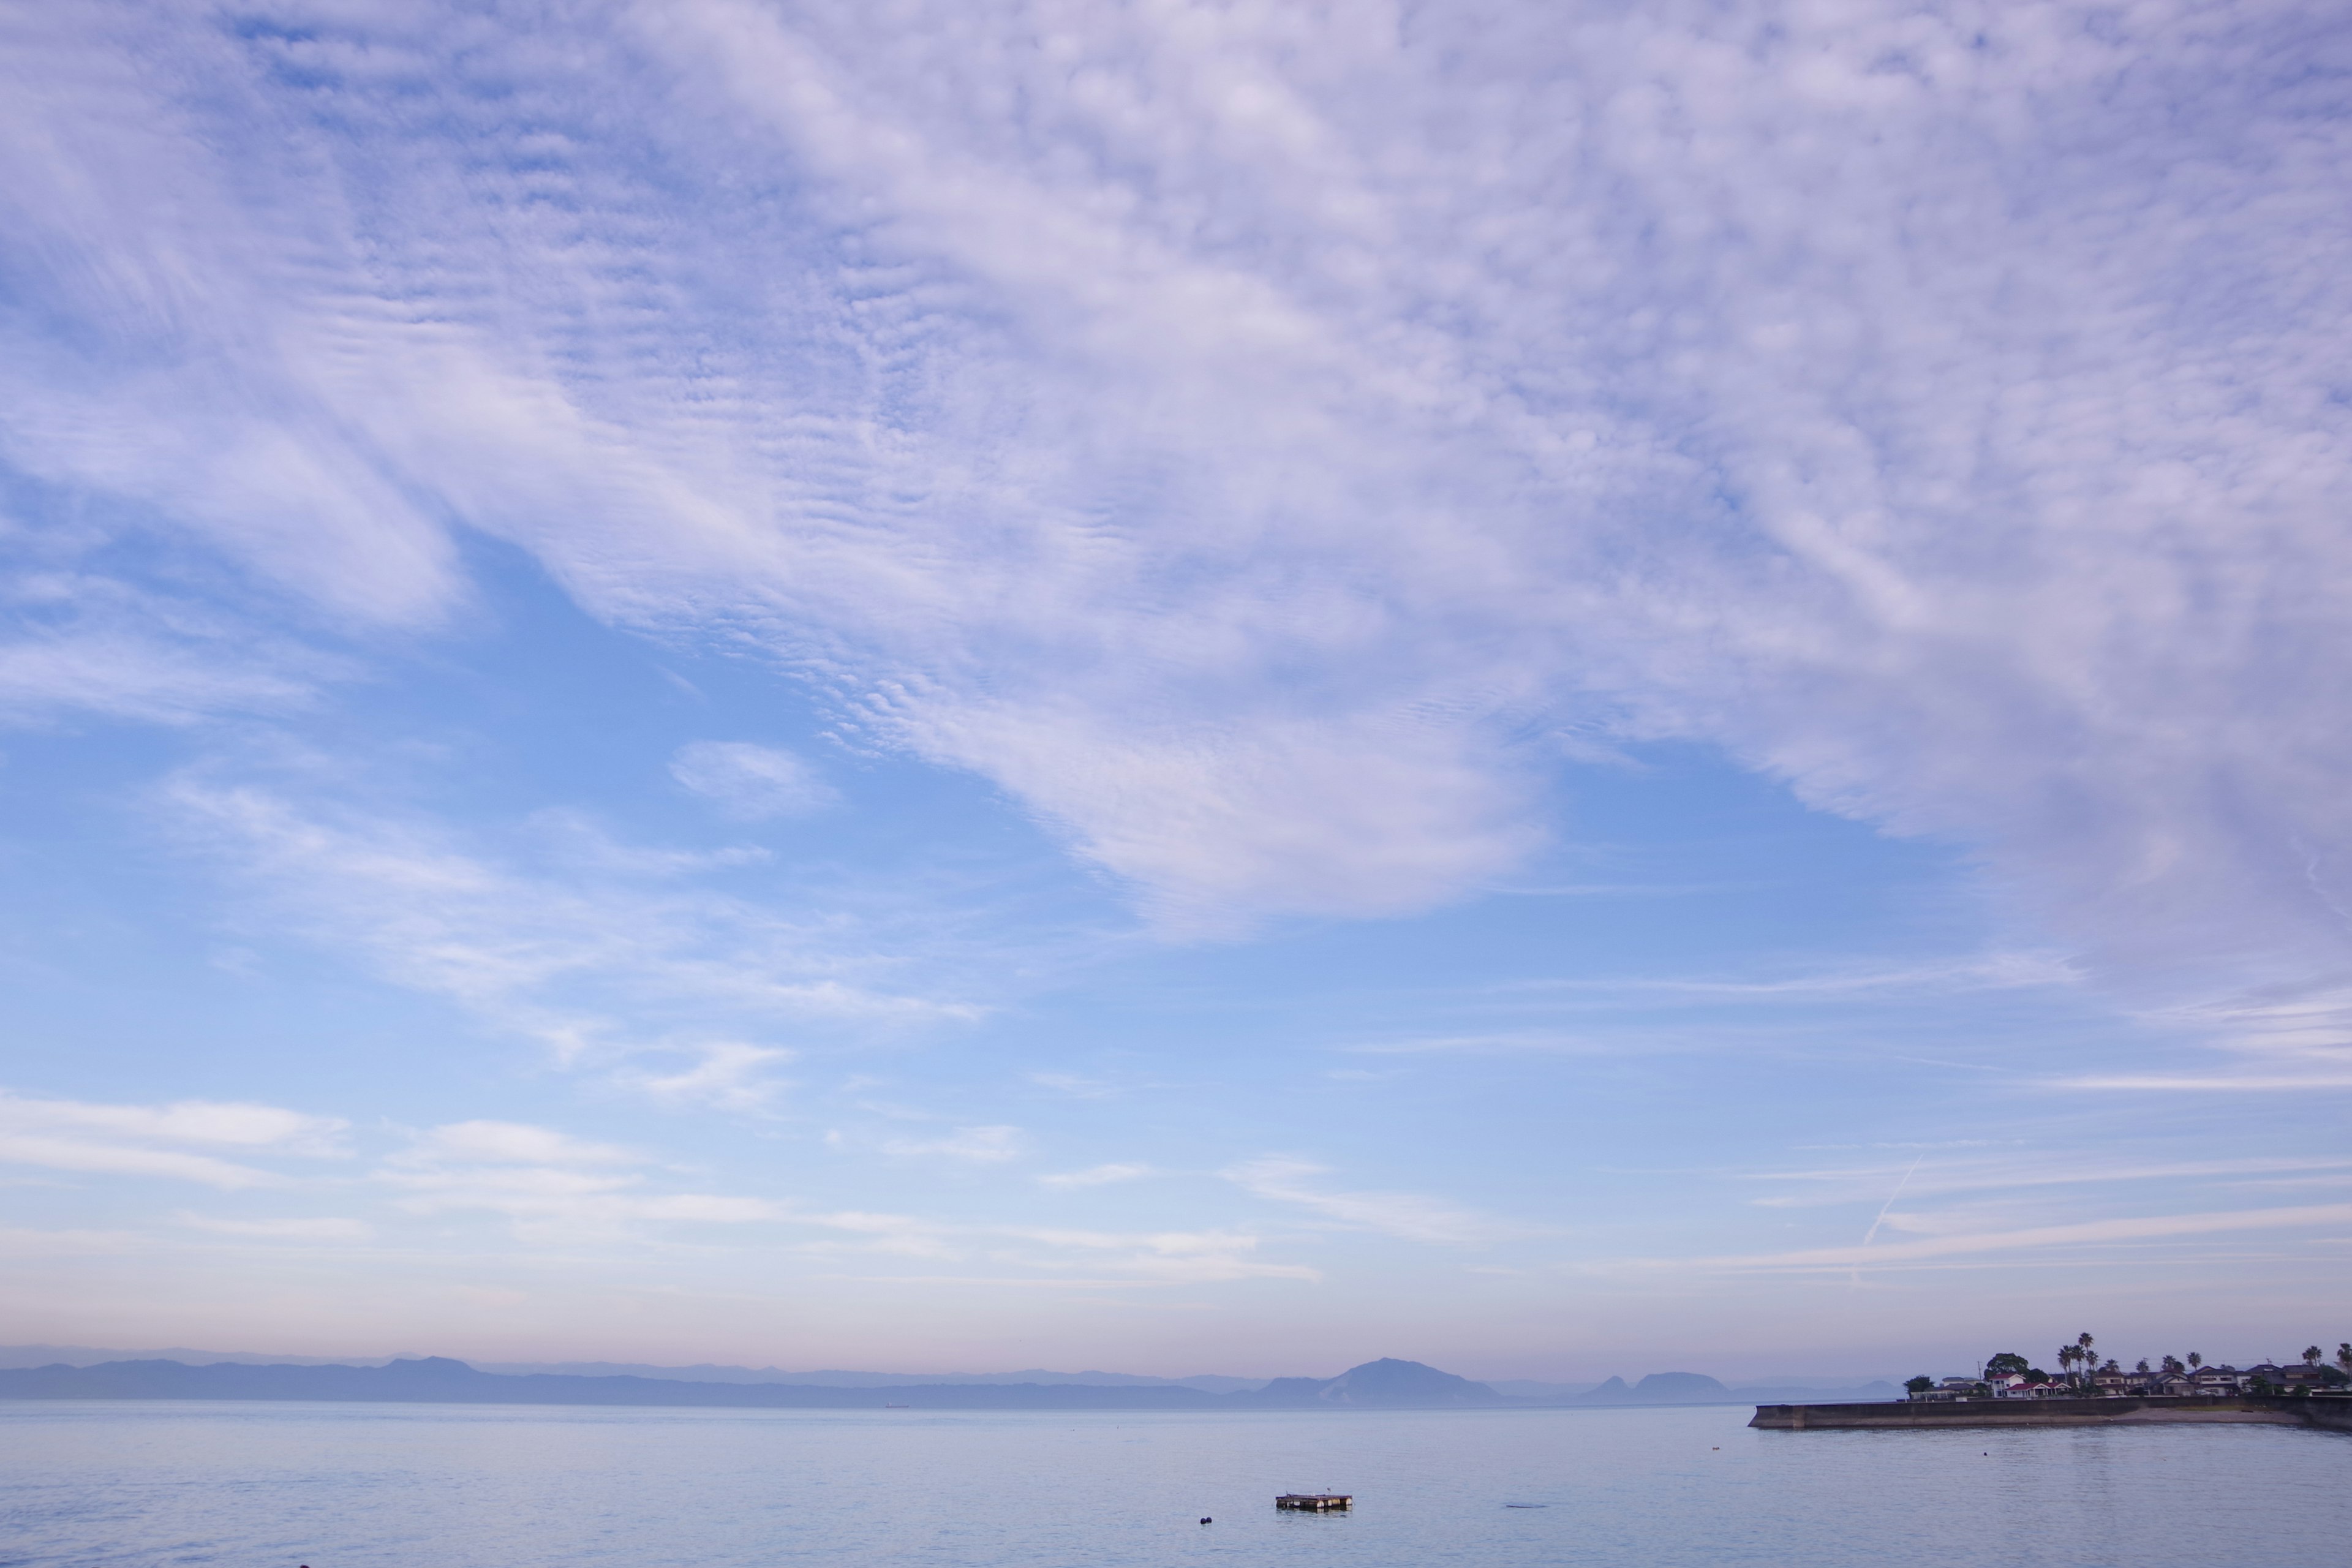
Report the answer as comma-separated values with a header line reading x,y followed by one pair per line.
x,y
270,1486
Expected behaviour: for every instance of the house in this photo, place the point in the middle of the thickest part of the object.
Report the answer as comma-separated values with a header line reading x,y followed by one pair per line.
x,y
2218,1380
2263,1374
2314,1377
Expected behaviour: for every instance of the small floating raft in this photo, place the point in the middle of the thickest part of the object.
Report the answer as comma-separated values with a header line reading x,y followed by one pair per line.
x,y
1314,1502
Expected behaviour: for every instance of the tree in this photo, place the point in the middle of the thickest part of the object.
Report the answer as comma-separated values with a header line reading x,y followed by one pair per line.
x,y
2311,1354
2008,1363
2173,1366
2142,1366
2195,1361
1919,1384
2343,1357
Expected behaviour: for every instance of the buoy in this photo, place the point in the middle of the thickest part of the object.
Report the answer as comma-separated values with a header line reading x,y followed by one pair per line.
x,y
1206,1520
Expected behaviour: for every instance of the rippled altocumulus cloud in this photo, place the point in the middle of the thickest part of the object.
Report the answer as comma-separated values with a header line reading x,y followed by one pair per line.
x,y
1252,434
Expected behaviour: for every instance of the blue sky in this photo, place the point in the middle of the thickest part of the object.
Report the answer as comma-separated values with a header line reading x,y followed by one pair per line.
x,y
1557,689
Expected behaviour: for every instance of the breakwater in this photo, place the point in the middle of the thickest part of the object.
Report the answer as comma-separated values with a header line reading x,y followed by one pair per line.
x,y
2332,1413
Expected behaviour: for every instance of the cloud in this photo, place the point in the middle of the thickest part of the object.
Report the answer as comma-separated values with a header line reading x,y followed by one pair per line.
x,y
595,960
1059,1256
750,782
1095,1176
1077,1086
981,1145
1996,971
1243,436
1167,1256
1921,1178
727,1074
85,643
1405,1216
510,1143
2082,1234
184,1141
290,1229
551,1185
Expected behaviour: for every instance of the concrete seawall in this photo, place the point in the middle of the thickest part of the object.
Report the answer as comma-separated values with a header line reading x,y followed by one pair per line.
x,y
2331,1413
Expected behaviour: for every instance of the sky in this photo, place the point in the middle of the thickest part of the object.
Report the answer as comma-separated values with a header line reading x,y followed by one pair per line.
x,y
1559,688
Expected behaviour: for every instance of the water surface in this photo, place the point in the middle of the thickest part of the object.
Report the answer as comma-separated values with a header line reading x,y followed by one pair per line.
x,y
374,1486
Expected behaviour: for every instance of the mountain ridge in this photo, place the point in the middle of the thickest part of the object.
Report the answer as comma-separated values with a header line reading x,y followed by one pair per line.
x,y
1386,1385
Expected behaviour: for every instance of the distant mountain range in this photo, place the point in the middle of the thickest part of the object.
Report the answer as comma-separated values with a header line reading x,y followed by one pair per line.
x,y
1385,1384
91,1355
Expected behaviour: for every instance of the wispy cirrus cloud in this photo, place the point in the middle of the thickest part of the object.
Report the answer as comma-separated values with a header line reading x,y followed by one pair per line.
x,y
73,641
2113,1231
1406,1215
727,1074
211,1142
1095,1176
1923,1177
551,1185
992,1145
596,959
750,783
297,1228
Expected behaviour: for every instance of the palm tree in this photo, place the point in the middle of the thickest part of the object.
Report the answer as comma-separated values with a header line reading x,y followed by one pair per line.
x,y
2343,1357
2195,1361
2311,1354
2067,1355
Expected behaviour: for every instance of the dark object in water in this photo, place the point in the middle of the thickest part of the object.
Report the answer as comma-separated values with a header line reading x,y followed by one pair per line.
x,y
1314,1502
1206,1520
1527,1505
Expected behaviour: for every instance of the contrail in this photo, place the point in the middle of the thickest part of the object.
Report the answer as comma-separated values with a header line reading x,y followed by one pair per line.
x,y
1890,1200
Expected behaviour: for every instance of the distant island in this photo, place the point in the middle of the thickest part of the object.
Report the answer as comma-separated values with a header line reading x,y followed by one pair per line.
x,y
1384,1385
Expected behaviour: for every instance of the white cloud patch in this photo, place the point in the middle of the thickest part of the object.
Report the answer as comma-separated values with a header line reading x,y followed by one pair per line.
x,y
311,1228
212,1142
551,1185
597,960
2119,1230
728,1075
1095,1176
82,643
750,782
978,1145
1406,1215
510,1143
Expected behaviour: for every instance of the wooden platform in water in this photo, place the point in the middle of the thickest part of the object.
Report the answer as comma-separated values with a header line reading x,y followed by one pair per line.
x,y
1316,1502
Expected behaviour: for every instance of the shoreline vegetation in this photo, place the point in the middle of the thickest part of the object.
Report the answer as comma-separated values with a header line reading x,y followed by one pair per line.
x,y
2009,1391
2009,1375
2328,1411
